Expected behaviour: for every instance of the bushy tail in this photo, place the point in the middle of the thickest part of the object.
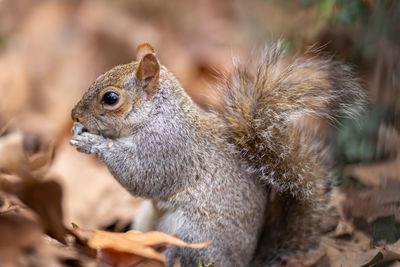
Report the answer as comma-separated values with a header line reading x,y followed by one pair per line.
x,y
262,111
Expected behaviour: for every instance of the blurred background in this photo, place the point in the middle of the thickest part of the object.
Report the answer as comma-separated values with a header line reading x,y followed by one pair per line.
x,y
51,51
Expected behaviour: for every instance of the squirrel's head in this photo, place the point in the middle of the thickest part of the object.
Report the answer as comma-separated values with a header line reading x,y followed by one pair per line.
x,y
122,99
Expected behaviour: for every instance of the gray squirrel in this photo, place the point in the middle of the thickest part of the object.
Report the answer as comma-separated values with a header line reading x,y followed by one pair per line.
x,y
246,177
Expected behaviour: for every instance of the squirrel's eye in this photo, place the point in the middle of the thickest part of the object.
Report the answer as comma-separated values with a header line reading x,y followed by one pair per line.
x,y
110,98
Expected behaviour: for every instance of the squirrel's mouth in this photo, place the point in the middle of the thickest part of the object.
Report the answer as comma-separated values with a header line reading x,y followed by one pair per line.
x,y
109,133
84,129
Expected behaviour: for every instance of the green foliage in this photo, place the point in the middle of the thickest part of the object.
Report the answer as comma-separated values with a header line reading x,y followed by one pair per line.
x,y
386,229
340,180
201,264
325,7
377,15
355,139
287,45
349,12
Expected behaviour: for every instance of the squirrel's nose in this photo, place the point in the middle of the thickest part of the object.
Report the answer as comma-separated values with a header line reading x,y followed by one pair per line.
x,y
74,115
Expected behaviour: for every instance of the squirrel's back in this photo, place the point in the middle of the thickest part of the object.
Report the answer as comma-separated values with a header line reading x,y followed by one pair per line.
x,y
264,114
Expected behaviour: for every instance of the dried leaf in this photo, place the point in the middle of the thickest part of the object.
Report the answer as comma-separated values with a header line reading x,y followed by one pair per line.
x,y
376,174
81,243
4,127
40,161
154,238
17,234
388,144
16,230
117,246
15,159
395,247
123,259
310,258
44,197
12,155
348,252
371,204
383,256
343,228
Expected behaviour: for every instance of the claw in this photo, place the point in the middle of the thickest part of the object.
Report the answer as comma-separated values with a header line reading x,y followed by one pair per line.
x,y
73,142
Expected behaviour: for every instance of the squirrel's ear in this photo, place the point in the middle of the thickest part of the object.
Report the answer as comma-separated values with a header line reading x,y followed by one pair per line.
x,y
148,72
143,50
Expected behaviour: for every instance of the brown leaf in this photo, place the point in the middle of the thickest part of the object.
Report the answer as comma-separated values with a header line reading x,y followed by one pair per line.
x,y
310,258
10,223
12,156
395,247
23,243
388,143
15,157
44,197
371,204
114,257
116,247
4,127
40,162
154,238
348,252
376,174
343,228
17,234
383,256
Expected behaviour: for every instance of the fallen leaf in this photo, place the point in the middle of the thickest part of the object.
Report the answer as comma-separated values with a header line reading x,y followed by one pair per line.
x,y
395,247
388,143
374,203
11,223
383,256
44,197
40,162
124,259
116,247
23,243
12,155
343,228
376,174
17,235
154,238
348,252
310,258
18,157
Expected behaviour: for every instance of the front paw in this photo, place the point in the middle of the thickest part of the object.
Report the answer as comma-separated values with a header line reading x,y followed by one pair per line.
x,y
88,143
78,128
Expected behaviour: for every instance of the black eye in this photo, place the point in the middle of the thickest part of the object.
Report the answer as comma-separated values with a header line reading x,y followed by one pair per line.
x,y
110,98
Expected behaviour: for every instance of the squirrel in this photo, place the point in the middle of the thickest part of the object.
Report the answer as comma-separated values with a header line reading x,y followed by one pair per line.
x,y
246,177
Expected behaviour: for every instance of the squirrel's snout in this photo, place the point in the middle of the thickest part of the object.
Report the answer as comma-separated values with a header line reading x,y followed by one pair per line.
x,y
74,115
